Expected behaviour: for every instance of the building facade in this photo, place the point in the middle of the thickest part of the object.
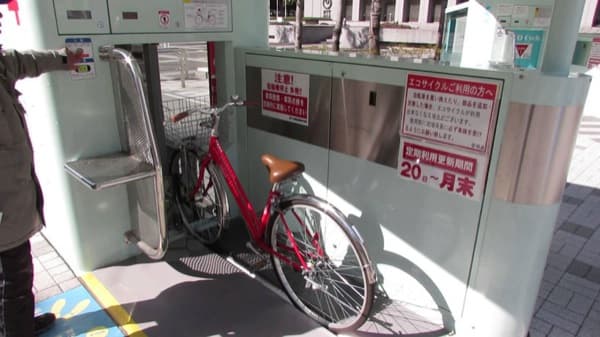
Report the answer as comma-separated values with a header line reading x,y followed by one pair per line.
x,y
419,14
406,22
398,11
590,21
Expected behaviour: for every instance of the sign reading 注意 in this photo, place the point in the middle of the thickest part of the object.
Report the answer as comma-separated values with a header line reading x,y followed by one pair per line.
x,y
285,96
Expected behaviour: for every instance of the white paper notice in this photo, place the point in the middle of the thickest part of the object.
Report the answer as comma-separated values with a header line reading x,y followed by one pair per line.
x,y
503,10
449,110
521,12
206,15
542,17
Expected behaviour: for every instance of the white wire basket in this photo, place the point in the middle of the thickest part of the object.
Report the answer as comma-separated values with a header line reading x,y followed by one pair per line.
x,y
192,129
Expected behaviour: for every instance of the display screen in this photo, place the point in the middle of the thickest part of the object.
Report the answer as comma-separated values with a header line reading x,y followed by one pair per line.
x,y
79,14
130,15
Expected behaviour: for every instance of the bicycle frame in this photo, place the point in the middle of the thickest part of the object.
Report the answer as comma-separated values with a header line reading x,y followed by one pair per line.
x,y
336,287
256,226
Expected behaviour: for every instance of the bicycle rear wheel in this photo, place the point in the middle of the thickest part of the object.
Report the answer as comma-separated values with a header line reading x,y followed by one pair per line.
x,y
337,287
205,213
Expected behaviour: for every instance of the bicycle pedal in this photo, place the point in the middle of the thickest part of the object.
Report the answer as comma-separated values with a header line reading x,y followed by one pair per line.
x,y
261,260
259,264
254,249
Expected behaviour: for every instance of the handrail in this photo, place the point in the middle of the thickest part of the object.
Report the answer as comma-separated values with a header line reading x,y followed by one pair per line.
x,y
124,57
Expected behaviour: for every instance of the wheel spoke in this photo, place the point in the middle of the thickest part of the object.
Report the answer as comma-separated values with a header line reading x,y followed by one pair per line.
x,y
333,287
207,203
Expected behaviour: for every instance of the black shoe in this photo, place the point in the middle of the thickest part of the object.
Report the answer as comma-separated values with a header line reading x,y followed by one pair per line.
x,y
43,323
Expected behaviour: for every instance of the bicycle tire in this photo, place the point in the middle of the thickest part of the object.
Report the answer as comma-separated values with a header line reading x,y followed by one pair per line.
x,y
205,214
338,289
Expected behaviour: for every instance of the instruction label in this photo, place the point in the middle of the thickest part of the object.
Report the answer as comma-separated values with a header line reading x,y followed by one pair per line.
x,y
206,14
285,96
446,132
449,110
514,15
87,67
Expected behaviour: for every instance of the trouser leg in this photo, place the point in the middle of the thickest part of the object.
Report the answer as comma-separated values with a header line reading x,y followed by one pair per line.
x,y
16,296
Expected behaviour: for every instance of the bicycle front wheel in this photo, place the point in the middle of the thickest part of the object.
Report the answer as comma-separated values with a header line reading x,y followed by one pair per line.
x,y
336,284
205,213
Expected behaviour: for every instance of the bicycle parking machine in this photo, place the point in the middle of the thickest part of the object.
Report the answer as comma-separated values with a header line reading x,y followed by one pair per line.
x,y
453,174
104,119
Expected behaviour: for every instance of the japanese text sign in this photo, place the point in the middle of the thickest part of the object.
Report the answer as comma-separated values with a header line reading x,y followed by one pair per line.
x,y
451,111
454,171
285,96
594,59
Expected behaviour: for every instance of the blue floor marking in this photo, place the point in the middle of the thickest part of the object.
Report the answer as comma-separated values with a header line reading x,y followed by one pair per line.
x,y
78,315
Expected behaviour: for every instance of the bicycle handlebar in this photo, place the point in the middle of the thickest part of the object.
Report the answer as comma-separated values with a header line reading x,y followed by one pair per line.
x,y
235,101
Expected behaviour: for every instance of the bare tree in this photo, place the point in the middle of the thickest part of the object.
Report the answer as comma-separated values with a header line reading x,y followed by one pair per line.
x,y
299,19
374,25
339,20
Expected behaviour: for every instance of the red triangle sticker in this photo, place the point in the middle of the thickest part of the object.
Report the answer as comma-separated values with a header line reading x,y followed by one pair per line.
x,y
521,49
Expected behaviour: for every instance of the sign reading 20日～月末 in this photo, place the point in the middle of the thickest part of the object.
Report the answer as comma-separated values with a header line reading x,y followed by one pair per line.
x,y
446,130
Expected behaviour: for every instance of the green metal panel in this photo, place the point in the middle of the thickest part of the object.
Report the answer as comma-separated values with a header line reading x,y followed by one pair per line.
x,y
158,16
456,257
514,243
92,17
74,119
403,221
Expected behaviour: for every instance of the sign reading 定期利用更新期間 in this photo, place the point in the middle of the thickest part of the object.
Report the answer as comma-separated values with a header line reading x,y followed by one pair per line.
x,y
446,132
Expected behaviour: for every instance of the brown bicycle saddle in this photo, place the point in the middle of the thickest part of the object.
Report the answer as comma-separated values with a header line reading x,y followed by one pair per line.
x,y
280,169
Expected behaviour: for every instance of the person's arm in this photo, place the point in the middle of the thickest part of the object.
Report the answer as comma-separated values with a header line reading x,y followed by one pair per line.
x,y
34,63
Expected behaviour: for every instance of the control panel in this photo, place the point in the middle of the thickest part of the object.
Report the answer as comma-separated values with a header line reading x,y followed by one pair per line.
x,y
143,16
82,17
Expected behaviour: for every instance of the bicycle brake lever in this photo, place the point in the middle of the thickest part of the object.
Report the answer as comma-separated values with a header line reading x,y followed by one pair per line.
x,y
251,103
237,101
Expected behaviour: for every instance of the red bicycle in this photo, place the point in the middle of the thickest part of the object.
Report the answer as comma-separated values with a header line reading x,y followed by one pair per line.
x,y
318,256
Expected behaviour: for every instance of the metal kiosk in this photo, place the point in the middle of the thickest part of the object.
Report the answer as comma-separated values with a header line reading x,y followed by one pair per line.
x,y
453,175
